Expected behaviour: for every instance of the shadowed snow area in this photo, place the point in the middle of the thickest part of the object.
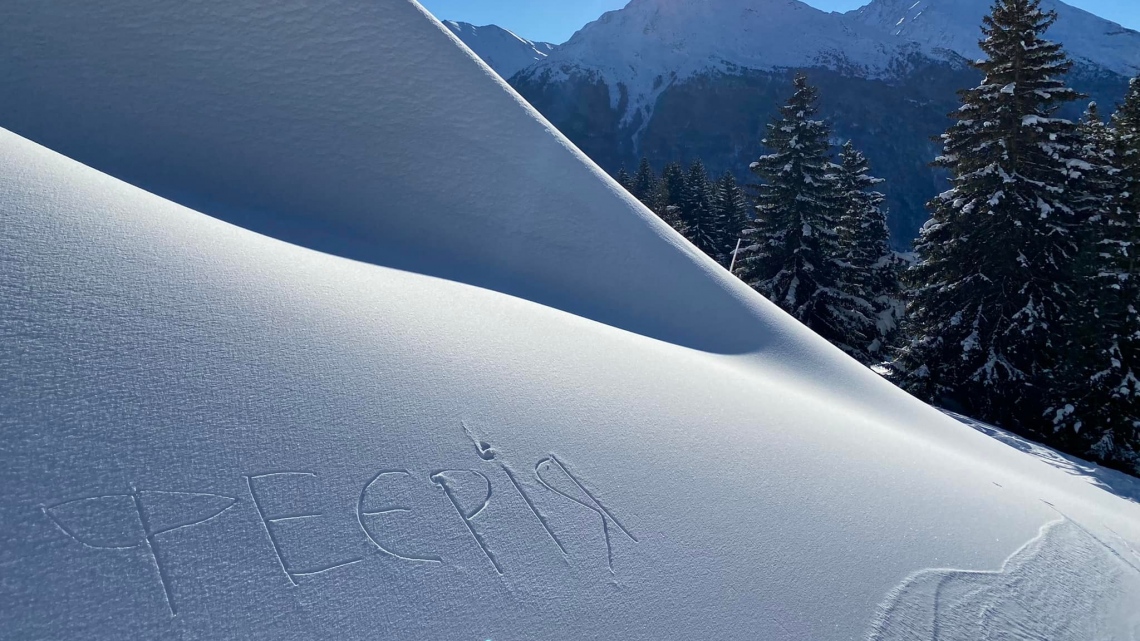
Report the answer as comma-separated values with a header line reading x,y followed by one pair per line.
x,y
1110,480
359,128
533,412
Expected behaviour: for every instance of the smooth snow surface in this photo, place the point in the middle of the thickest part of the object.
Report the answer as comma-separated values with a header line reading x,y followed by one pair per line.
x,y
505,52
587,431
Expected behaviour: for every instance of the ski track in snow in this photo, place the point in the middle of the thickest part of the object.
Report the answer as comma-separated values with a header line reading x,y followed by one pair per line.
x,y
1064,585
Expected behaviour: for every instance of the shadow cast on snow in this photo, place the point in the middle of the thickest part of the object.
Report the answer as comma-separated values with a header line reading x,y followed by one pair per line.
x,y
1118,483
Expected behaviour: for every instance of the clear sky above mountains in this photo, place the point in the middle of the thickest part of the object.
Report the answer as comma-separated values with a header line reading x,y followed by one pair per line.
x,y
556,20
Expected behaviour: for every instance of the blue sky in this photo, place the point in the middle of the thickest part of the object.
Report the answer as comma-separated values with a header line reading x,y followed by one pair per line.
x,y
556,20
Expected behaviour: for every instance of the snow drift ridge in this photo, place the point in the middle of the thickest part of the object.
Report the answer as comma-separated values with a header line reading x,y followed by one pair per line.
x,y
360,117
209,433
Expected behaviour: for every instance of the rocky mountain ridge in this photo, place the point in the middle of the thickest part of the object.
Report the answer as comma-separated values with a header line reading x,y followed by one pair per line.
x,y
680,80
501,49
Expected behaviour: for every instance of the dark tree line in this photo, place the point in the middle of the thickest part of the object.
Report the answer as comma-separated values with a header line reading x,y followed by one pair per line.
x,y
712,214
812,237
819,246
1022,306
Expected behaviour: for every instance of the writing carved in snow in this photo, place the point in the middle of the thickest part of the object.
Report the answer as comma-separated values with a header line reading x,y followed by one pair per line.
x,y
139,521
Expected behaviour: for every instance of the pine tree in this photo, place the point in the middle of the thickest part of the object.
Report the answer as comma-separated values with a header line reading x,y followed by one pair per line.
x,y
1101,413
644,184
624,179
696,211
670,195
1123,244
869,268
730,209
993,283
792,243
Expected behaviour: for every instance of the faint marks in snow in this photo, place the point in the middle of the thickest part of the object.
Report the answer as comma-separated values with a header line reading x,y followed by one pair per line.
x,y
361,512
567,486
453,485
1128,546
470,492
482,448
1064,585
585,498
134,520
534,509
488,453
298,532
1118,483
274,521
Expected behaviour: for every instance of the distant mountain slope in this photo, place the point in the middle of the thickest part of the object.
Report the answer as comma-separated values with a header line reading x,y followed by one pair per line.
x,y
952,25
652,44
502,50
681,79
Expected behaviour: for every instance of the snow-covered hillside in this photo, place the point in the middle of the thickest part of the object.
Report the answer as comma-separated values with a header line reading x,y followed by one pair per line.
x,y
583,429
504,51
953,26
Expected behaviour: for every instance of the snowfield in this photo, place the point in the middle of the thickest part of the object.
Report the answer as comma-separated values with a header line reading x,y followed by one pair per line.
x,y
438,377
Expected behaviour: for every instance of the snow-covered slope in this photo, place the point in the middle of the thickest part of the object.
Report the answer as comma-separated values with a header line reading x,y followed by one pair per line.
x,y
209,433
650,44
504,51
244,110
954,26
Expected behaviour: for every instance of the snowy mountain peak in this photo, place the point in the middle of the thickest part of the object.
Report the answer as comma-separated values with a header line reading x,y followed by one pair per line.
x,y
650,44
502,50
954,26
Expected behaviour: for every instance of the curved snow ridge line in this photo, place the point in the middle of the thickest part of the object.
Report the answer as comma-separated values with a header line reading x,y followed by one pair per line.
x,y
323,125
1064,585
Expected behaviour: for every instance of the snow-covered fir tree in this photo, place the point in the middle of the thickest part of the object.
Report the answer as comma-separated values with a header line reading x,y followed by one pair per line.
x,y
1101,413
697,216
624,179
1093,187
992,286
730,207
792,244
670,195
868,267
1126,243
644,184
